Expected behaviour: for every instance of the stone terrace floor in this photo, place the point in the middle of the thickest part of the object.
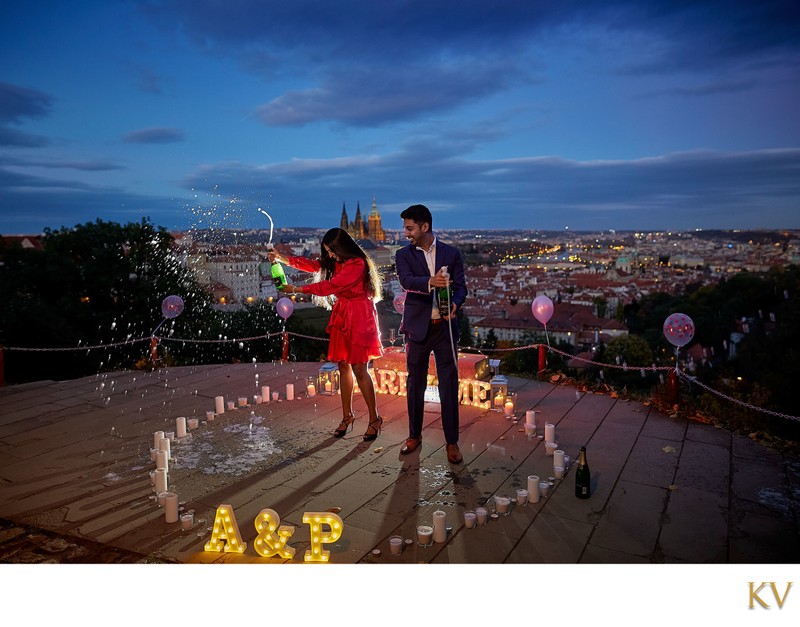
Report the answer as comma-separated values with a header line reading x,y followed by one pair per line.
x,y
75,483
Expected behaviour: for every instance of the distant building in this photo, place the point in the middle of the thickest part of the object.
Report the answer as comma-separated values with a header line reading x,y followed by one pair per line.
x,y
373,230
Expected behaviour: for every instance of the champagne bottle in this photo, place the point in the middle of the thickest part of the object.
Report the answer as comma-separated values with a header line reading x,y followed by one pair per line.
x,y
276,270
582,476
443,296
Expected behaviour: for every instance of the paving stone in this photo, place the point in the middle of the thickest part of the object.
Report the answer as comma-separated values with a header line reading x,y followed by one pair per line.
x,y
688,509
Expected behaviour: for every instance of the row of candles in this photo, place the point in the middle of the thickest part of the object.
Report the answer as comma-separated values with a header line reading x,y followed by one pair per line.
x,y
537,488
161,452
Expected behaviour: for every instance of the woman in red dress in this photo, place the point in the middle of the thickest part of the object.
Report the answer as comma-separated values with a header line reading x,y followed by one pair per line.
x,y
348,283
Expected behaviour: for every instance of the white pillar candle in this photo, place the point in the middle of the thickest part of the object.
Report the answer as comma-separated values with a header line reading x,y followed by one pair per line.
x,y
533,488
157,437
543,488
470,519
550,448
180,426
328,387
187,521
558,471
162,499
482,515
231,405
549,432
210,416
522,497
242,401
171,514
265,393
530,417
162,458
193,423
161,480
396,545
275,396
219,404
290,391
439,528
508,408
312,391
164,445
558,458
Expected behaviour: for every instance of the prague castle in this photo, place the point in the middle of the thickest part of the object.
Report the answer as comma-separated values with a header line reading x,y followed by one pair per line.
x,y
358,230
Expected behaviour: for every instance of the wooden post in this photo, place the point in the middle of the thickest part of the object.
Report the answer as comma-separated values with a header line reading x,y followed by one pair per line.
x,y
541,360
285,352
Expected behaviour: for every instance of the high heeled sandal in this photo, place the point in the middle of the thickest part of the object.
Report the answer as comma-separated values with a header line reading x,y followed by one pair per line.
x,y
344,426
373,431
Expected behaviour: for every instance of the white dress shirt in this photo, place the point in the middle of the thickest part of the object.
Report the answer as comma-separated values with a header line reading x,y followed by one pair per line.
x,y
430,259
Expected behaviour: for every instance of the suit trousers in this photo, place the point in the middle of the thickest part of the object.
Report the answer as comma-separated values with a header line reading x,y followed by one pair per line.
x,y
437,340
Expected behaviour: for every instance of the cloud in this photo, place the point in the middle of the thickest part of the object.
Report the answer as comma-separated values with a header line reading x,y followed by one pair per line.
x,y
17,103
13,138
702,189
154,135
96,165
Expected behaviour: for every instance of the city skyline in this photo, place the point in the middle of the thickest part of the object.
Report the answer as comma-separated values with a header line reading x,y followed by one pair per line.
x,y
589,117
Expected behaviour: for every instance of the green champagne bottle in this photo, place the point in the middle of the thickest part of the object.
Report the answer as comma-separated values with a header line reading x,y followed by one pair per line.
x,y
276,270
443,296
582,476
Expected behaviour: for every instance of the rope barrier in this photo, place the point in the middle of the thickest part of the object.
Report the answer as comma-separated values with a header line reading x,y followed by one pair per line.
x,y
480,351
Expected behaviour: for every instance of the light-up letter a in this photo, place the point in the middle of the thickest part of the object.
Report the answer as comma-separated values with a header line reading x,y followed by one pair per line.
x,y
268,543
225,535
316,520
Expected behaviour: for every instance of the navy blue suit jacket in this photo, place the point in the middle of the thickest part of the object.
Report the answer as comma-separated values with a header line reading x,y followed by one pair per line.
x,y
413,273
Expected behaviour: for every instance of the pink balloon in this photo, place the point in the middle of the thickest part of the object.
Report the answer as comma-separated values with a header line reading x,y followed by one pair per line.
x,y
542,308
400,303
679,329
285,307
172,306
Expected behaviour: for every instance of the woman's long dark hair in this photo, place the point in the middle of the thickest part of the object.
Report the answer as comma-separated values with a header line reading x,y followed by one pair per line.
x,y
345,247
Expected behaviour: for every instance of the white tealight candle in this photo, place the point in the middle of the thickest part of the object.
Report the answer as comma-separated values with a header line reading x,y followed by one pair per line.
x,y
162,499
259,399
231,405
470,519
439,526
180,426
210,415
482,515
312,391
242,401
550,448
187,521
328,387
290,391
275,396
522,497
265,393
193,423
498,400
424,535
558,471
509,408
157,437
502,505
396,545
543,488
170,436
219,404
171,505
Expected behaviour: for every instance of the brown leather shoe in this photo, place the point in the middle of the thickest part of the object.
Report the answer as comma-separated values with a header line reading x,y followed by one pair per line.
x,y
411,445
454,454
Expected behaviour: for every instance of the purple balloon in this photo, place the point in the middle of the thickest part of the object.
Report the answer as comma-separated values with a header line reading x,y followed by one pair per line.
x,y
542,309
400,303
285,307
679,329
172,306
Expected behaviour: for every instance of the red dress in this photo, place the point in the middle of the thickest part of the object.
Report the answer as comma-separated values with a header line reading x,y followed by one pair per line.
x,y
353,327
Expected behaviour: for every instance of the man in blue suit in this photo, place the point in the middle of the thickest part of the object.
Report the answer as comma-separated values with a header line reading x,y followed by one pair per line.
x,y
419,269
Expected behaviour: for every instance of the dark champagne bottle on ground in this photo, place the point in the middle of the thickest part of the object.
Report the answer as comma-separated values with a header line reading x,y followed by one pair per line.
x,y
582,476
